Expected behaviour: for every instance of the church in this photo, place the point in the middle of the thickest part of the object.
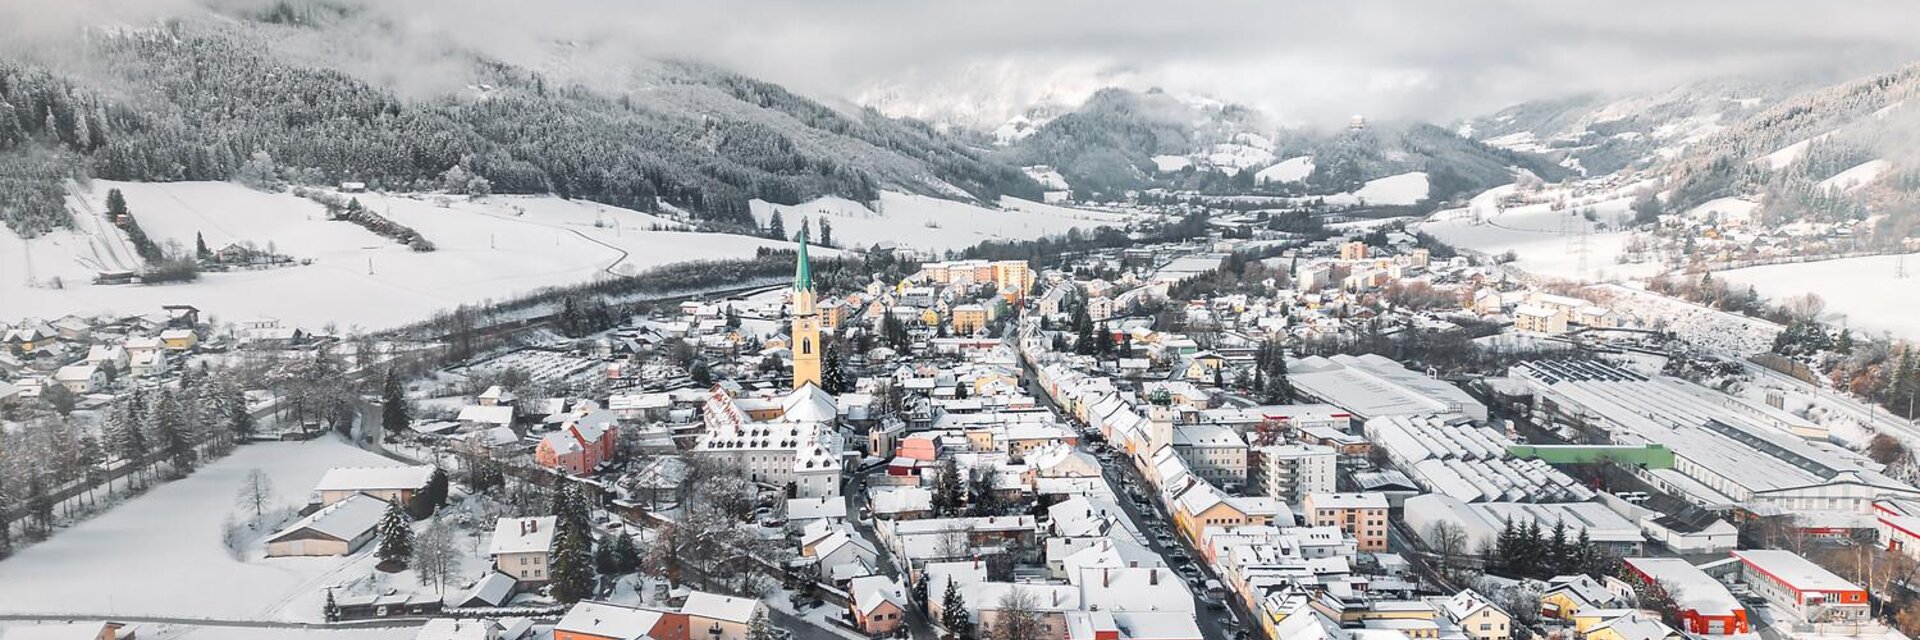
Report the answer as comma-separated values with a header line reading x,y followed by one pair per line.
x,y
790,439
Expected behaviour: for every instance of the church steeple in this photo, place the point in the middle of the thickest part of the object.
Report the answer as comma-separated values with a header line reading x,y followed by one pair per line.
x,y
803,268
805,344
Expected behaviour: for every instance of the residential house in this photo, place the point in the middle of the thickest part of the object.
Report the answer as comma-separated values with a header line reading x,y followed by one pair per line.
x,y
32,337
179,339
716,617
581,445
523,548
1568,596
595,620
1476,616
80,378
878,605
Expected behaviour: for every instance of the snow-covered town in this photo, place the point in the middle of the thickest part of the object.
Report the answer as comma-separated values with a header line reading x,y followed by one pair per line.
x,y
1210,438
578,320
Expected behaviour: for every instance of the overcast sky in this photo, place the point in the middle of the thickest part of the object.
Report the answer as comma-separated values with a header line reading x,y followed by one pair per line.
x,y
1304,61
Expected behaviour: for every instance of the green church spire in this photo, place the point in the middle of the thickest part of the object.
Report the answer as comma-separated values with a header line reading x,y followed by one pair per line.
x,y
802,269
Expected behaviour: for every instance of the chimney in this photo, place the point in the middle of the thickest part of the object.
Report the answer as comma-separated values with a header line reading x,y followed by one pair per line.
x,y
1056,597
1106,577
1153,576
533,526
523,527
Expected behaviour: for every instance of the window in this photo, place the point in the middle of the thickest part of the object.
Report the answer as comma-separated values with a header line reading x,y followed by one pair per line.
x,y
806,346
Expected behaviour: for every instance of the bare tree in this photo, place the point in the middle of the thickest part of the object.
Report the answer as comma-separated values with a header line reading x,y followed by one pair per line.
x,y
1018,617
953,543
256,493
436,556
1450,549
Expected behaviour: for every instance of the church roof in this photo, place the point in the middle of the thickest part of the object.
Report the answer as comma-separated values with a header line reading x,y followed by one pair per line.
x,y
809,404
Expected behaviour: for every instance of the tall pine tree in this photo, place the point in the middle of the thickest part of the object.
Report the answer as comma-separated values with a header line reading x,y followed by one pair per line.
x,y
953,612
394,413
396,538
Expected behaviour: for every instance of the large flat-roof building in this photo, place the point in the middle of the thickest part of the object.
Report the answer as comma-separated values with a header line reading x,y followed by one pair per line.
x,y
1727,452
1372,385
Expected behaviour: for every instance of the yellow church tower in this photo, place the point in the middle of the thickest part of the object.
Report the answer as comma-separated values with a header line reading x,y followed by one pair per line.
x,y
805,344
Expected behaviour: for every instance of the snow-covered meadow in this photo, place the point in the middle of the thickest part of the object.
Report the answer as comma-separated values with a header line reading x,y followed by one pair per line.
x,y
161,553
492,248
1545,241
1862,293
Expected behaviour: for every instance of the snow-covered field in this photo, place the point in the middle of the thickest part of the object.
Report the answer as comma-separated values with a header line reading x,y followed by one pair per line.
x,y
1546,242
1289,170
1863,293
161,553
1856,176
492,248
931,223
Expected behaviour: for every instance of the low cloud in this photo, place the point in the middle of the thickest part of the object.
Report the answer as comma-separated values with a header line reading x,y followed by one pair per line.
x,y
1303,61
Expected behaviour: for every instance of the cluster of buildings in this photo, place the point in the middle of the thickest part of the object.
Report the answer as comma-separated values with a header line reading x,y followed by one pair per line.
x,y
90,355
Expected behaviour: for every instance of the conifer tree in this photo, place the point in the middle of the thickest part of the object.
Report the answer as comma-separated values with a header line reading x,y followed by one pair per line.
x,y
395,415
396,537
832,378
572,571
331,611
953,612
170,429
776,228
626,555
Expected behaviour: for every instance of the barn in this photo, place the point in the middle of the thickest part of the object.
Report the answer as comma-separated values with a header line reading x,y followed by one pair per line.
x,y
335,530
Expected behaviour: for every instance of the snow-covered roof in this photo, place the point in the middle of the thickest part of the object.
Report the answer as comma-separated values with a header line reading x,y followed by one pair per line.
x,y
1793,570
496,414
522,535
719,607
869,592
343,520
495,589
809,404
456,629
816,508
607,620
375,478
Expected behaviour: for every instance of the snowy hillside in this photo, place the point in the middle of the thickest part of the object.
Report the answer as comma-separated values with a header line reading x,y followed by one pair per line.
x,y
1288,170
493,248
1547,242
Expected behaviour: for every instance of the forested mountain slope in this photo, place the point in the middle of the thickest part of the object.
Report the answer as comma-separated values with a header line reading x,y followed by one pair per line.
x,y
1110,144
1843,152
199,99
